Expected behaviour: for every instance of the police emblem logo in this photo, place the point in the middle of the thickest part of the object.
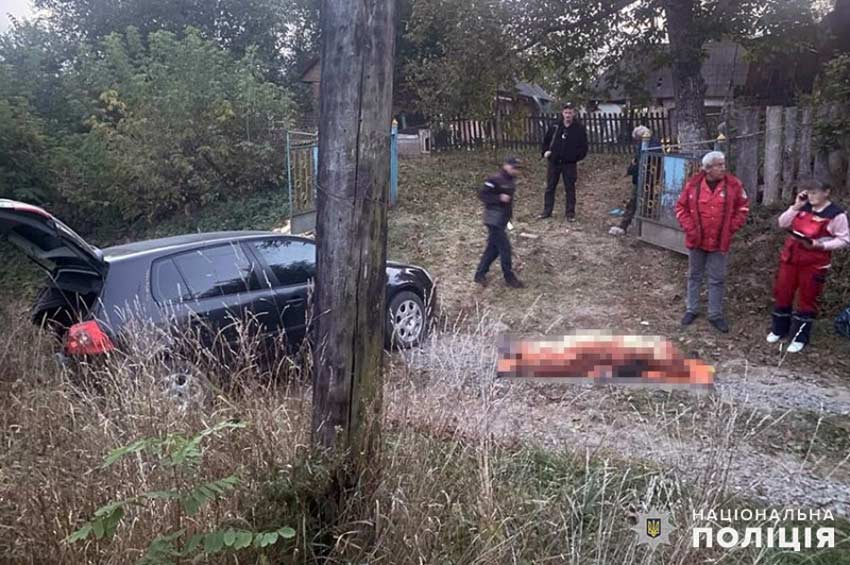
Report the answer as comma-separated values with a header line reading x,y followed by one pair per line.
x,y
653,528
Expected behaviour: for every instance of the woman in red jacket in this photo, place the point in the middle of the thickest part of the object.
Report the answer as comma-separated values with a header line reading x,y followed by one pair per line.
x,y
817,228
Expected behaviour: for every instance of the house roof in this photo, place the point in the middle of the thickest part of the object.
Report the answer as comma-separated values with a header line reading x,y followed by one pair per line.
x,y
533,91
723,69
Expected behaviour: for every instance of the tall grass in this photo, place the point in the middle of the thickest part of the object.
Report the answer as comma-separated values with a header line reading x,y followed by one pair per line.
x,y
450,488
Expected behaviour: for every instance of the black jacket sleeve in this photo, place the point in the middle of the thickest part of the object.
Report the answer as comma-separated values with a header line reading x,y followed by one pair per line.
x,y
489,192
547,139
582,143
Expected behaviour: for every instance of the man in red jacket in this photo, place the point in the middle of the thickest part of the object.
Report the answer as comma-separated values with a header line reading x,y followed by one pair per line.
x,y
712,207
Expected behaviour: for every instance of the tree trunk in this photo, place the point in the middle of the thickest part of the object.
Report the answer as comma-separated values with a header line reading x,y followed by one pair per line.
x,y
353,181
686,40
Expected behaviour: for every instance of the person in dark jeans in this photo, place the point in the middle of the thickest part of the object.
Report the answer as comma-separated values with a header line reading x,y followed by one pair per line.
x,y
634,170
564,145
497,194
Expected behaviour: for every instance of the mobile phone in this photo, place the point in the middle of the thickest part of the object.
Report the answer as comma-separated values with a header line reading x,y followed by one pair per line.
x,y
803,196
802,237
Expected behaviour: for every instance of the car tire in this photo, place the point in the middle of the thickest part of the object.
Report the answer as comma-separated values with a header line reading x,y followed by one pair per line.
x,y
407,321
186,384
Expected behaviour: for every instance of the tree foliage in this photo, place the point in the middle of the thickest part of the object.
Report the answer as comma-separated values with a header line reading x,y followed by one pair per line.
x,y
133,127
461,54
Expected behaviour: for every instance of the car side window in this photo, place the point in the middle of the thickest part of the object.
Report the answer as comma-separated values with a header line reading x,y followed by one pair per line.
x,y
167,284
217,271
291,261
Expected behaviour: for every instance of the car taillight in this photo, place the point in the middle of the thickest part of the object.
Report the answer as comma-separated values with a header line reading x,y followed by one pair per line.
x,y
87,339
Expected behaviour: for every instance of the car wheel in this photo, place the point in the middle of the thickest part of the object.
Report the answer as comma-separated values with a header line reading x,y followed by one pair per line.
x,y
186,384
407,323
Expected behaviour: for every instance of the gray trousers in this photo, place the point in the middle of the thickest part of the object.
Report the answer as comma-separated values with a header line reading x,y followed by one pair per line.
x,y
699,263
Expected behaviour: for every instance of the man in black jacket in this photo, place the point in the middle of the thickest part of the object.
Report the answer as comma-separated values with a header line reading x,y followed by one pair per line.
x,y
497,194
564,145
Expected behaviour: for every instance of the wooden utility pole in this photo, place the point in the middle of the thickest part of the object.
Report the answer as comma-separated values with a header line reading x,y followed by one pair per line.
x,y
358,43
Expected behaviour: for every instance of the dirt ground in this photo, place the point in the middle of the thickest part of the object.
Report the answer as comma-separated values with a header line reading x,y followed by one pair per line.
x,y
779,423
579,277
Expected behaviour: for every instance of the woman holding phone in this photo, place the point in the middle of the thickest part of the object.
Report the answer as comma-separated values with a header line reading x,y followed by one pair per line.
x,y
816,227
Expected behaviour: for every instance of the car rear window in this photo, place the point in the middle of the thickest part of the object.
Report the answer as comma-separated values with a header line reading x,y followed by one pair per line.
x,y
216,271
167,283
291,261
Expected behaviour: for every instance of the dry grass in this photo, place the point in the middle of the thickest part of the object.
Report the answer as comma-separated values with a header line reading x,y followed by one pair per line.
x,y
471,471
451,488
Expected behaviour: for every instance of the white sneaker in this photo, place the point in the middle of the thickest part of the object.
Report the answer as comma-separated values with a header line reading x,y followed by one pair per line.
x,y
795,347
773,338
616,230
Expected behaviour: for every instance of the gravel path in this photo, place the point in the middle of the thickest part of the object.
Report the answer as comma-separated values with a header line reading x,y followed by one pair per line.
x,y
700,437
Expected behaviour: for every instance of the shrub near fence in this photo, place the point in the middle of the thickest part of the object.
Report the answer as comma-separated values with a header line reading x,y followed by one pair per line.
x,y
606,132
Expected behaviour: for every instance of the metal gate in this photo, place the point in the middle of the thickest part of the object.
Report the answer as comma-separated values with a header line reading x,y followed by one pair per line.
x,y
302,170
302,173
661,179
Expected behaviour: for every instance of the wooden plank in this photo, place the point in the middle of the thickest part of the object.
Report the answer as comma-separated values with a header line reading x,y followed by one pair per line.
x,y
772,155
789,154
835,158
804,166
821,166
594,132
746,149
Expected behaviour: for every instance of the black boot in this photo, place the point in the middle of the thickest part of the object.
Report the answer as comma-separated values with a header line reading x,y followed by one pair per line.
x,y
781,322
801,327
513,282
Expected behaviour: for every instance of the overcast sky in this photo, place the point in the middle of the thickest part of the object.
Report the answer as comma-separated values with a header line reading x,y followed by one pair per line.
x,y
18,8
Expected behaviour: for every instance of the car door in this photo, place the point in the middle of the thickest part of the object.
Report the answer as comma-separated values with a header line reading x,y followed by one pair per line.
x,y
291,263
225,293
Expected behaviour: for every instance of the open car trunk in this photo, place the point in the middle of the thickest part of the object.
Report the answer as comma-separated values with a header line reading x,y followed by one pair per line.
x,y
75,270
66,298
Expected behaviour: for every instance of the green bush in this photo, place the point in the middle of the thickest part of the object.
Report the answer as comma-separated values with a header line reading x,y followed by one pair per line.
x,y
137,129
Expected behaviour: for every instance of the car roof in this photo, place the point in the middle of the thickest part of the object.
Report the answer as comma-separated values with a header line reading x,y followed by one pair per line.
x,y
180,242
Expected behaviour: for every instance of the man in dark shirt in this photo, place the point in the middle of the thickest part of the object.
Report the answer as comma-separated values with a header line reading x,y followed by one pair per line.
x,y
497,195
564,145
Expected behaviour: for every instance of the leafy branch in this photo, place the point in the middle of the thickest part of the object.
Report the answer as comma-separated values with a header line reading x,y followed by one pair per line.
x,y
182,453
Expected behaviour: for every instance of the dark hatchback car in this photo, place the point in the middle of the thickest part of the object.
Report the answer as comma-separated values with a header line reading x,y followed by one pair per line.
x,y
215,278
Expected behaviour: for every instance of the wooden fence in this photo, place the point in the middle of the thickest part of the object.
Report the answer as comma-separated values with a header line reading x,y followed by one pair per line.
x,y
770,149
606,133
773,149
